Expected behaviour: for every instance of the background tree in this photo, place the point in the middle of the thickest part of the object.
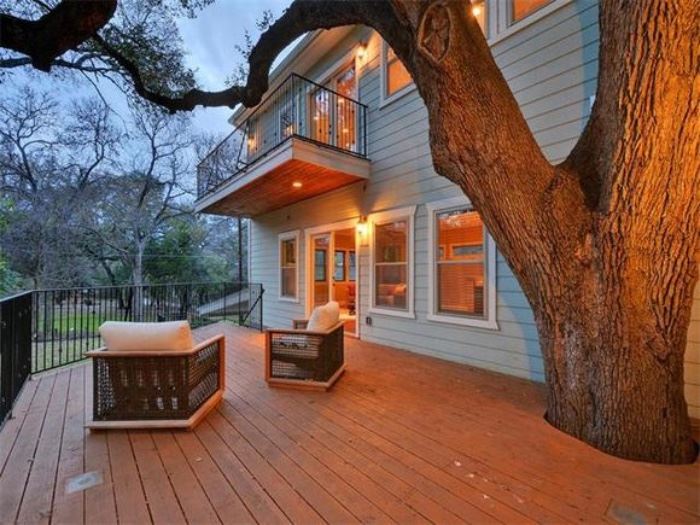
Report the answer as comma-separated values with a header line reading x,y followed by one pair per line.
x,y
603,244
9,279
148,192
84,193
49,168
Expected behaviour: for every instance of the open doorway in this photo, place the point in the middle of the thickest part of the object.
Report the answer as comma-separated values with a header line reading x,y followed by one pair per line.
x,y
333,272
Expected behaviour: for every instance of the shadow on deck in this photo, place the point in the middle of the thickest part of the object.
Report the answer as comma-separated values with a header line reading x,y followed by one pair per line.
x,y
401,438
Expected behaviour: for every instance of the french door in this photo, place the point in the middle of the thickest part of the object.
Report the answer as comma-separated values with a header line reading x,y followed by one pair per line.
x,y
334,116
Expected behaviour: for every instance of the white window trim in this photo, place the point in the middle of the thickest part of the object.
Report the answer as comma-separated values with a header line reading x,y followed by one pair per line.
x,y
383,98
408,212
285,236
489,322
506,28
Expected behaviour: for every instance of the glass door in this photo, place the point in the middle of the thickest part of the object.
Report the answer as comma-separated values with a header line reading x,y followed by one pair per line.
x,y
346,112
333,116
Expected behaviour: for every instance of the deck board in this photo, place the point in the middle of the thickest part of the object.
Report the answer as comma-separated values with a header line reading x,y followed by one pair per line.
x,y
401,438
68,507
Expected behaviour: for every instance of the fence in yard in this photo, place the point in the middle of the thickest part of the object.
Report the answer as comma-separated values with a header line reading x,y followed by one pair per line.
x,y
44,329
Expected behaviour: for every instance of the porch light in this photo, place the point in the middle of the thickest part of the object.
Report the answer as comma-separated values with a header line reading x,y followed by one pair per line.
x,y
361,51
362,227
476,10
297,184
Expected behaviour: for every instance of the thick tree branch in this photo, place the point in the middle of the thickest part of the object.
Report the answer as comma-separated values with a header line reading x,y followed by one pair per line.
x,y
301,17
63,28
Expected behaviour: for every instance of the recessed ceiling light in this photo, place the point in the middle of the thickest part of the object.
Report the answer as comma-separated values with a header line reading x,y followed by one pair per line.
x,y
296,184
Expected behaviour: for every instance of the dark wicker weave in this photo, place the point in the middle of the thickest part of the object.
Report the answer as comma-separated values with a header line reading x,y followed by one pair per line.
x,y
300,355
151,386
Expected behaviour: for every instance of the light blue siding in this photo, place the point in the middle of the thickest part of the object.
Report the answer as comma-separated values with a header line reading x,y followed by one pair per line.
x,y
551,65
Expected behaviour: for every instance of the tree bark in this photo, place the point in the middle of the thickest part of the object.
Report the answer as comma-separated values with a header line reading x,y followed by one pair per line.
x,y
602,245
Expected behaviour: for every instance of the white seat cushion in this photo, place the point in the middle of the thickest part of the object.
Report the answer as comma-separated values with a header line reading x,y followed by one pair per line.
x,y
171,336
324,317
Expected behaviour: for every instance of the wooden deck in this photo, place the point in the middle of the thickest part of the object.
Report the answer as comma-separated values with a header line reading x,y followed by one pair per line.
x,y
401,438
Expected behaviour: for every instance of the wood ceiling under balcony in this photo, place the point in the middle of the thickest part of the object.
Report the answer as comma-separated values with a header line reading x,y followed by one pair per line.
x,y
268,184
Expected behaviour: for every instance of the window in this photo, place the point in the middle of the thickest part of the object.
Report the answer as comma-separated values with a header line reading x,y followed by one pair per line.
x,y
288,257
320,265
339,266
396,79
478,8
462,261
392,262
520,9
352,266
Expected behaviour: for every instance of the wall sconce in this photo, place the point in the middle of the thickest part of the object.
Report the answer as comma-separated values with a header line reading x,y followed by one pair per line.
x,y
361,52
362,229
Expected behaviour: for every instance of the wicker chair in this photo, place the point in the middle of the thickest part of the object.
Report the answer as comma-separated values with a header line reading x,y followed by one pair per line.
x,y
300,358
157,389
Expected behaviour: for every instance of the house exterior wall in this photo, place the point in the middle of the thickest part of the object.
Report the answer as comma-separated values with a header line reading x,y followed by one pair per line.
x,y
551,65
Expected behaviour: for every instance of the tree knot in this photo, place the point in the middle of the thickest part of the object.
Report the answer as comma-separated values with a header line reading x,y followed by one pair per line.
x,y
434,32
584,252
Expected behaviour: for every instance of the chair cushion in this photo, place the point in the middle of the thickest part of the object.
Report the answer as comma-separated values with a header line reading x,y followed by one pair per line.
x,y
168,336
324,317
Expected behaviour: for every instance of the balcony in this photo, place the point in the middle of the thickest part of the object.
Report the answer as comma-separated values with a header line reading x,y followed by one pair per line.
x,y
301,141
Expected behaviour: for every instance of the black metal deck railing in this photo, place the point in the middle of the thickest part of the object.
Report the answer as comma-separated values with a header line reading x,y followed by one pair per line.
x,y
45,329
298,108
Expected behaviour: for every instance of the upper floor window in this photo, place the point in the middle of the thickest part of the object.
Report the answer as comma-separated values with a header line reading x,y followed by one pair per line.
x,y
289,274
520,9
395,77
462,260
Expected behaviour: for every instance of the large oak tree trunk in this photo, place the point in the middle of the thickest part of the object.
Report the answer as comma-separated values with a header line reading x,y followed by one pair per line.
x,y
603,245
614,373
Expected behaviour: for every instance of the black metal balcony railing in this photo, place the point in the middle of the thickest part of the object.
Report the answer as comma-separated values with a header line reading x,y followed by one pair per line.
x,y
298,108
44,329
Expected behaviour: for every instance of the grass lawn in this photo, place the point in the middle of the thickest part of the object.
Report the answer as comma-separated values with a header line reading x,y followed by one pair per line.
x,y
78,322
